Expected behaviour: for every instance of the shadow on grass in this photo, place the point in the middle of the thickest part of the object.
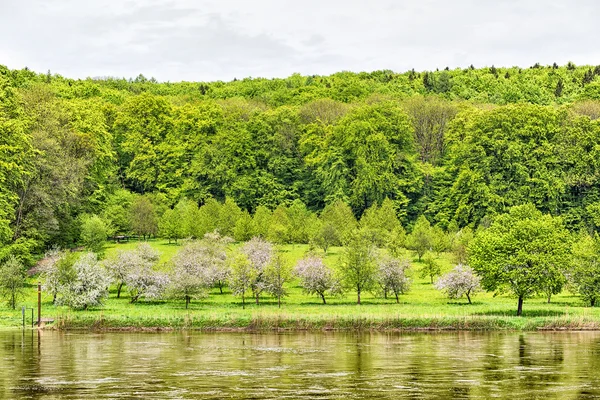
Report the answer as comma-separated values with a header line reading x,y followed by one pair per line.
x,y
465,303
526,313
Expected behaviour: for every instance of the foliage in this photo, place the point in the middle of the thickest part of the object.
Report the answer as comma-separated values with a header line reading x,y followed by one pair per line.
x,y
276,274
460,244
242,277
458,282
359,267
94,233
381,223
170,226
12,281
431,267
523,252
143,217
456,147
586,271
421,238
340,222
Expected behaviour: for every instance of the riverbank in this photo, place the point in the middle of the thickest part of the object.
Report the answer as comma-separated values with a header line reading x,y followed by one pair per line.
x,y
283,322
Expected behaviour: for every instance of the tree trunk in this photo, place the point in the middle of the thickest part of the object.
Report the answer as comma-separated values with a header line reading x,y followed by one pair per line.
x,y
243,302
431,276
279,301
187,301
385,294
468,297
358,296
119,290
221,287
397,299
593,302
520,307
256,298
549,297
323,298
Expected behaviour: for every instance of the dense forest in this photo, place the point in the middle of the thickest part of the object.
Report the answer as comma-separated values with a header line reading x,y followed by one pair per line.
x,y
455,146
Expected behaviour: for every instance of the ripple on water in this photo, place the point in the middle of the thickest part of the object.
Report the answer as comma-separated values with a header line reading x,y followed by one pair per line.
x,y
202,373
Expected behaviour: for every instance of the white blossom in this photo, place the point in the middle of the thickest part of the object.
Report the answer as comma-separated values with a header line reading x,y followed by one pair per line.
x,y
316,277
391,275
143,281
462,280
89,286
259,253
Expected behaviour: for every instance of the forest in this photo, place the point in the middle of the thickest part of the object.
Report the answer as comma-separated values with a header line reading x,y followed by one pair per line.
x,y
498,167
458,147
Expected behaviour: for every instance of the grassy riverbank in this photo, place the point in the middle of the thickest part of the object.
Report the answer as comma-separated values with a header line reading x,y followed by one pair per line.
x,y
423,308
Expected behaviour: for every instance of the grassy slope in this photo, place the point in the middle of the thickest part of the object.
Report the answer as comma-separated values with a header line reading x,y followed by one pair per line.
x,y
422,308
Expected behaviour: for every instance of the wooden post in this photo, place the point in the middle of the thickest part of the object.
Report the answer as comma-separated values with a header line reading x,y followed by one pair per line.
x,y
39,304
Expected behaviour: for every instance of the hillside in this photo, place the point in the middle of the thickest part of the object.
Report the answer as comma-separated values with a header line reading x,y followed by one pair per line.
x,y
458,146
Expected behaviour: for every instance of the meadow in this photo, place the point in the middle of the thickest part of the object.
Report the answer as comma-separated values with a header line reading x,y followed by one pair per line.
x,y
422,308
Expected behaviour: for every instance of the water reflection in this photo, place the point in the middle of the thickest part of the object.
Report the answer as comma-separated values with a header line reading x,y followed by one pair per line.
x,y
63,365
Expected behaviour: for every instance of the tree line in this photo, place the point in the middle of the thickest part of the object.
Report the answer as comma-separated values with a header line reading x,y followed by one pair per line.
x,y
523,253
458,147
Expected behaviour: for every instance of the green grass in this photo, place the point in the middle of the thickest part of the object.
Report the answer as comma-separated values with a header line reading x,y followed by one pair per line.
x,y
422,308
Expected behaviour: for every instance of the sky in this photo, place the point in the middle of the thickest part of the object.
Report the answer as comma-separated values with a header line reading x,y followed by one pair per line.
x,y
207,40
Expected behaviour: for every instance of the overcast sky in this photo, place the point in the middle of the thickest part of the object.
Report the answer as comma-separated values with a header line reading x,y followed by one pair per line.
x,y
204,40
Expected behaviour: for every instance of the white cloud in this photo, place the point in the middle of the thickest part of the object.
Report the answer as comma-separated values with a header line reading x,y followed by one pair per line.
x,y
223,39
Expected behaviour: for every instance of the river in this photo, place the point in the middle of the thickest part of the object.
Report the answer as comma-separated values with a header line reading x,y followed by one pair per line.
x,y
71,365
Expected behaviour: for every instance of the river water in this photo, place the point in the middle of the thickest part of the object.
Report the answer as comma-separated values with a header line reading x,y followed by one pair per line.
x,y
67,365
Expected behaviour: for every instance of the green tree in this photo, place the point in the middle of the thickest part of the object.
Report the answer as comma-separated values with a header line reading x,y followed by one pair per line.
x,y
117,211
460,244
363,156
431,267
143,218
299,218
421,238
359,264
277,273
12,281
244,227
171,226
228,217
586,271
188,214
262,221
93,233
242,276
140,127
381,222
338,215
522,252
209,216
280,228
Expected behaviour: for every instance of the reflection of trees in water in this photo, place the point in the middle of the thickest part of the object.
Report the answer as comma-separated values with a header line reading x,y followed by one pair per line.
x,y
381,365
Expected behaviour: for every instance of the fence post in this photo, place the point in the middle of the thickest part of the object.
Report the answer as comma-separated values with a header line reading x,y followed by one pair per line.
x,y
39,305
